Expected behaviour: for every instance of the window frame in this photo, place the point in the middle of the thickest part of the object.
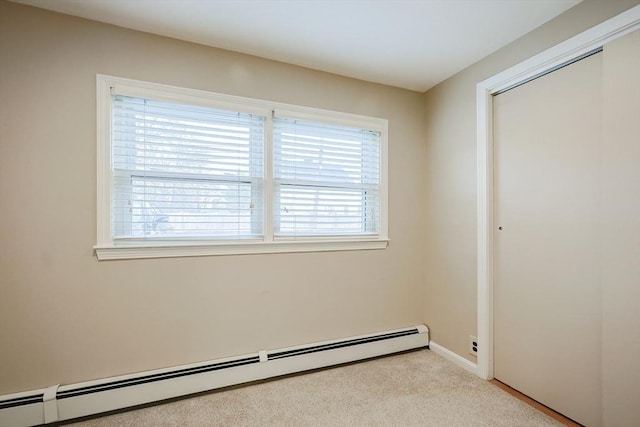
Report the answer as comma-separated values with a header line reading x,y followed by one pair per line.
x,y
318,182
107,249
126,171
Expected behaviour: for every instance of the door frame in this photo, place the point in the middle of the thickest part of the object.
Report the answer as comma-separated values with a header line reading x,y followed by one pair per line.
x,y
551,59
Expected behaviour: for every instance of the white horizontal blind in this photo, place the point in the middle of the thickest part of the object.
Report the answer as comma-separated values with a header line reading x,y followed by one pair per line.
x,y
326,179
184,171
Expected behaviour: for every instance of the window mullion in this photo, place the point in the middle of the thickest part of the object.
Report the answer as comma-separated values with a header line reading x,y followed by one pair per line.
x,y
268,180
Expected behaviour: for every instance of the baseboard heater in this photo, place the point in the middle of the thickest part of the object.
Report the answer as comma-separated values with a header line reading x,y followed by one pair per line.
x,y
65,402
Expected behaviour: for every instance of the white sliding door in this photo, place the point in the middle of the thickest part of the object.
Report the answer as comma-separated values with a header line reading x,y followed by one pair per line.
x,y
547,297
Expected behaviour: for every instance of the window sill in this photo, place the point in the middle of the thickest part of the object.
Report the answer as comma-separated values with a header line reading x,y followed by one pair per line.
x,y
105,253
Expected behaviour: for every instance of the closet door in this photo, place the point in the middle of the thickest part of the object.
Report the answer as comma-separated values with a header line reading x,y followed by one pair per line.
x,y
547,302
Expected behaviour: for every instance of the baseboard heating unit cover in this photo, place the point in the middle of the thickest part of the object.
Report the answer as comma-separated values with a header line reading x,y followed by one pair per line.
x,y
65,402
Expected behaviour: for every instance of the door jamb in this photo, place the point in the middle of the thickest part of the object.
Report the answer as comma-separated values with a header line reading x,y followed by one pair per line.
x,y
540,64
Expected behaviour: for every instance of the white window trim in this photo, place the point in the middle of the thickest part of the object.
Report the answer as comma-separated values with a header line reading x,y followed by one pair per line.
x,y
105,247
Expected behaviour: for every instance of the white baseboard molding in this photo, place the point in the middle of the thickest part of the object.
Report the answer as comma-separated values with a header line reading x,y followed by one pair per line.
x,y
453,357
65,402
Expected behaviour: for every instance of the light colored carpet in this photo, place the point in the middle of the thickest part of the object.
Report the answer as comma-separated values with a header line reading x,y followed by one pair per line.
x,y
411,389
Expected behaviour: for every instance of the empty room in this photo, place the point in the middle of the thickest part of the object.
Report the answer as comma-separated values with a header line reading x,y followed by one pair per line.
x,y
320,213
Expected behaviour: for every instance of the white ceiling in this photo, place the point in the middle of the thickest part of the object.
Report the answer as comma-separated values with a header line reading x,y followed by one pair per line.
x,y
413,44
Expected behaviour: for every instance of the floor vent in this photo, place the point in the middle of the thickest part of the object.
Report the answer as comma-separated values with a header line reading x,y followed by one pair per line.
x,y
58,403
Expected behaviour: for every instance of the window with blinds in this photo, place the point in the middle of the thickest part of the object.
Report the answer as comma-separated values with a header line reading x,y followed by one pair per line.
x,y
326,179
183,171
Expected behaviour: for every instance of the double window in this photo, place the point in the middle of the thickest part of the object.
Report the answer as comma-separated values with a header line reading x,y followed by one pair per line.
x,y
184,172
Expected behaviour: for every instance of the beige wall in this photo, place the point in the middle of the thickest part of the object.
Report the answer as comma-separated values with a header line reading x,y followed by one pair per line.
x,y
450,309
65,317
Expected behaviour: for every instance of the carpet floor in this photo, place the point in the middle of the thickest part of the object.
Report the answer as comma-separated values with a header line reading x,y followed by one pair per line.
x,y
417,388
